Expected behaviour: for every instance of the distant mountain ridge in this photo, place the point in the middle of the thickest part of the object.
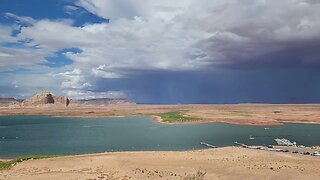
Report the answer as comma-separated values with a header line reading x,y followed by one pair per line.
x,y
7,102
102,102
46,98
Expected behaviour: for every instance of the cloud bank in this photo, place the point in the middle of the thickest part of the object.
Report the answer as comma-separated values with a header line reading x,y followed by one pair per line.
x,y
165,36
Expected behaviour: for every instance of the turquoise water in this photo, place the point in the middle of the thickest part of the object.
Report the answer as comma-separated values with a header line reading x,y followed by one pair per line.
x,y
29,135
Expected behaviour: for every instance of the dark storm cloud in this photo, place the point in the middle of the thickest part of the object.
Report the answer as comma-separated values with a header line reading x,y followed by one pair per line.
x,y
263,34
291,54
223,86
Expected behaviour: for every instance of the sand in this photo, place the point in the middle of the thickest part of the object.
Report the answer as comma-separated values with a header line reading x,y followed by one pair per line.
x,y
220,163
246,114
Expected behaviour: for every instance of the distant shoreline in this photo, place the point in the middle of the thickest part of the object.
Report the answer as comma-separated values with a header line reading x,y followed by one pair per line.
x,y
240,114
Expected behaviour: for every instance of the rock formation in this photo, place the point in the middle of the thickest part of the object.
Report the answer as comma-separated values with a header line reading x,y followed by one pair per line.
x,y
46,98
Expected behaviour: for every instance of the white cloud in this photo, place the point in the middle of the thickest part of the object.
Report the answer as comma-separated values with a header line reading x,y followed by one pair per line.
x,y
15,58
70,9
74,80
54,35
24,85
164,10
5,33
23,19
123,44
103,72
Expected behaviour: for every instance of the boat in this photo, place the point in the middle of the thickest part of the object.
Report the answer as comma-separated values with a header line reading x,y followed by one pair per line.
x,y
316,154
252,138
284,142
208,145
266,128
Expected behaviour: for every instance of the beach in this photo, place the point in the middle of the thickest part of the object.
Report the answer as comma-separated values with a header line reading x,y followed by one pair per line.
x,y
220,163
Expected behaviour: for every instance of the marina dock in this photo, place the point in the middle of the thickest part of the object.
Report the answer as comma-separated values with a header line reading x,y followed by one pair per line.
x,y
313,151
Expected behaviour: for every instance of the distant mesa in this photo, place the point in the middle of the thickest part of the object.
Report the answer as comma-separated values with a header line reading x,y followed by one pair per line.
x,y
44,98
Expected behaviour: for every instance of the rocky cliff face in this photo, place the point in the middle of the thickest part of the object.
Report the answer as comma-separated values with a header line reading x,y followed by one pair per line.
x,y
46,98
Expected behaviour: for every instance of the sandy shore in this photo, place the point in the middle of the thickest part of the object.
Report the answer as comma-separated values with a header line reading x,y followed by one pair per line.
x,y
221,163
246,114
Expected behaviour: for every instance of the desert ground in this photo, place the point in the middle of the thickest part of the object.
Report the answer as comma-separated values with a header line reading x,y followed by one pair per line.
x,y
220,163
247,114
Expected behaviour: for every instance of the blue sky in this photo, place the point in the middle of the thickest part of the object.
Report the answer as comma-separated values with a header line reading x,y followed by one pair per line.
x,y
49,9
167,51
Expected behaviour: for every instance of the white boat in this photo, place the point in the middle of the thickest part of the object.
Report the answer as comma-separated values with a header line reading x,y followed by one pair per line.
x,y
316,154
252,138
284,142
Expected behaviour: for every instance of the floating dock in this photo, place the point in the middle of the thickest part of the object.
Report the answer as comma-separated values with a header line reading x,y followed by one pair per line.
x,y
208,145
240,144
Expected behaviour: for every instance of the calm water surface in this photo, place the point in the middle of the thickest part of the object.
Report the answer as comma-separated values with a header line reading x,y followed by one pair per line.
x,y
29,135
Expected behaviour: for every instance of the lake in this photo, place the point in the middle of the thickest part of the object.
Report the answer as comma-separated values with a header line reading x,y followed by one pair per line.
x,y
30,135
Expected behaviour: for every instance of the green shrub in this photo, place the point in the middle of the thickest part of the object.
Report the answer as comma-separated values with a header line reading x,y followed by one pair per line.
x,y
8,164
176,116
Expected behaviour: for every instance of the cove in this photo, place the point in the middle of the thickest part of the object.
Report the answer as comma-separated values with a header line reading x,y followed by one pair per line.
x,y
43,135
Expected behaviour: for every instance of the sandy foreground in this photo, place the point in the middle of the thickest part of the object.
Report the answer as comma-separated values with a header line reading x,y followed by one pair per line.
x,y
246,114
221,163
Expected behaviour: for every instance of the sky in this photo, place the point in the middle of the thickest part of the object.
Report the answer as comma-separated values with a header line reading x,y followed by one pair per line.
x,y
162,51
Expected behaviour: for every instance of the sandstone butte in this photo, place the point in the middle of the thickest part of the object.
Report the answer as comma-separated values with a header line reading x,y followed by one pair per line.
x,y
45,98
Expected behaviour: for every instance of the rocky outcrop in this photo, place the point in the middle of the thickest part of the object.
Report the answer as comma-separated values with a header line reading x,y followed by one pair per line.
x,y
46,98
